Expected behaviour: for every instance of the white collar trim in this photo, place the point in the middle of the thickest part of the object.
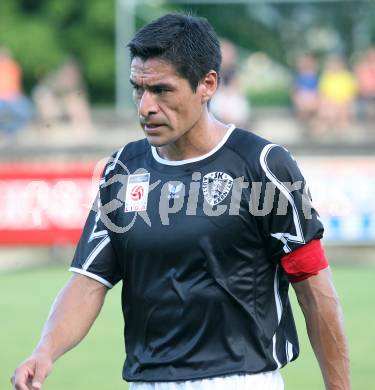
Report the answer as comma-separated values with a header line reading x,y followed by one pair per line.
x,y
195,159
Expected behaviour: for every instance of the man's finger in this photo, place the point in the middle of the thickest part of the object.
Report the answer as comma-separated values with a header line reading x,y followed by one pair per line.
x,y
39,376
19,381
18,385
37,385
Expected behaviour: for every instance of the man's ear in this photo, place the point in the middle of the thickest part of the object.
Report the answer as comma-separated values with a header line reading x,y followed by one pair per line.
x,y
208,85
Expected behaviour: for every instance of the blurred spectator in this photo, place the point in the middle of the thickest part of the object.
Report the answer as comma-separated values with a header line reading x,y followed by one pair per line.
x,y
305,94
61,96
15,109
365,73
228,62
229,103
338,90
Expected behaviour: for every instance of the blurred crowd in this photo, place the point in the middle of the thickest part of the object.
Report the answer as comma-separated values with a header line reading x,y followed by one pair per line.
x,y
327,96
15,108
331,97
59,97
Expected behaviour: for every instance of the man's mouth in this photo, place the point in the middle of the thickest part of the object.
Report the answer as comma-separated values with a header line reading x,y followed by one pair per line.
x,y
151,126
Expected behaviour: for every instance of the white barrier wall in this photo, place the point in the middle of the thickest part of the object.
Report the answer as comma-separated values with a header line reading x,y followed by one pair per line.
x,y
343,191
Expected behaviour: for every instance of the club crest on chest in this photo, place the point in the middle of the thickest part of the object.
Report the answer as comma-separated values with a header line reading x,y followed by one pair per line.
x,y
216,187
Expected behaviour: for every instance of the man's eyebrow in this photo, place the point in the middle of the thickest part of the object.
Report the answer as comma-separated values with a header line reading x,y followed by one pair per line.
x,y
133,83
161,86
154,86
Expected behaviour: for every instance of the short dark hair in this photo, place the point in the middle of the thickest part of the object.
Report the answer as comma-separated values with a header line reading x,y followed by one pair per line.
x,y
188,42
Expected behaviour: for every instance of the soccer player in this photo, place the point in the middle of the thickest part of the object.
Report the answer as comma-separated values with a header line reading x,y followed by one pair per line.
x,y
206,225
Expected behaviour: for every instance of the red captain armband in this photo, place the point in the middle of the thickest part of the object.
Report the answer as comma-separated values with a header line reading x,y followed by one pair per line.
x,y
305,261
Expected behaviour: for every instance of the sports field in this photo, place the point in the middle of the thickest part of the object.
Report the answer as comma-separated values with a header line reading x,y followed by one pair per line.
x,y
26,295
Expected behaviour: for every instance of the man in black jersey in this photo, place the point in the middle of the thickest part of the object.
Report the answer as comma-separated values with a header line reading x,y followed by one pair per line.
x,y
206,225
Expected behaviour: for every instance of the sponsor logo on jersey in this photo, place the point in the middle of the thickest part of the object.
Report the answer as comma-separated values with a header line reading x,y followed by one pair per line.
x,y
216,187
137,192
174,190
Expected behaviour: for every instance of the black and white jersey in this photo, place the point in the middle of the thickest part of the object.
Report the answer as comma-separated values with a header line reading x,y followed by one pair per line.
x,y
197,244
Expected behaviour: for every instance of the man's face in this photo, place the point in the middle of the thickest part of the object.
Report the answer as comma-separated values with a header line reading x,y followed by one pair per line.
x,y
167,106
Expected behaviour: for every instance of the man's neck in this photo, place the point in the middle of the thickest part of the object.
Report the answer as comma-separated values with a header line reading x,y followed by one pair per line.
x,y
198,141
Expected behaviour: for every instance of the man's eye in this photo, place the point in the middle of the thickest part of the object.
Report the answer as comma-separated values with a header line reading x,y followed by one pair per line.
x,y
137,90
160,91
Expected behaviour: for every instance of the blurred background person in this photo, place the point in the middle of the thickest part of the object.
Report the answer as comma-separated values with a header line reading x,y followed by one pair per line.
x,y
15,109
61,97
228,65
230,104
305,94
338,90
365,74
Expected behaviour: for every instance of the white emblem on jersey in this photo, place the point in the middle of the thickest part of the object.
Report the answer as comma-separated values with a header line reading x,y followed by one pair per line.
x,y
137,192
216,187
174,190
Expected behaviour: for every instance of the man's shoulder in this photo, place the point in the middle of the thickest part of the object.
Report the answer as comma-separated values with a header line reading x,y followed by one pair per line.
x,y
260,153
130,151
247,144
134,149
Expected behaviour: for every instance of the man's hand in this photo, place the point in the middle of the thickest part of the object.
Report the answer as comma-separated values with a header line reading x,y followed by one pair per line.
x,y
31,374
71,316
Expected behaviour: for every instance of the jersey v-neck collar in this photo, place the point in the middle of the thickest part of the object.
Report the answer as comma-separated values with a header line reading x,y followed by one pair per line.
x,y
195,159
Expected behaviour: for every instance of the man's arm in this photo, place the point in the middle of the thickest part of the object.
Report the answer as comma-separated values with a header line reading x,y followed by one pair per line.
x,y
71,316
324,321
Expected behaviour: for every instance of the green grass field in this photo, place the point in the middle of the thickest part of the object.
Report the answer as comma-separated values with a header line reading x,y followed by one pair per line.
x,y
26,295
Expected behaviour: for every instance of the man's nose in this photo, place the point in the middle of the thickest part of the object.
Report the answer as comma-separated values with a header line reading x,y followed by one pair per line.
x,y
147,104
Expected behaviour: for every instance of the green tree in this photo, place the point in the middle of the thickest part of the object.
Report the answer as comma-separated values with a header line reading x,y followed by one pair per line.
x,y
42,33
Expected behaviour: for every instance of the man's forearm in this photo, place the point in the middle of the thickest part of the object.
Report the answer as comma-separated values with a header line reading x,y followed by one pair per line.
x,y
71,316
325,327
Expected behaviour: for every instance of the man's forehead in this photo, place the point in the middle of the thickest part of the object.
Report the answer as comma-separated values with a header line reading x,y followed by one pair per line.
x,y
152,68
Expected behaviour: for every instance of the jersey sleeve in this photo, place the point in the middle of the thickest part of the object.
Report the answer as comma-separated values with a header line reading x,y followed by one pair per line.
x,y
95,256
290,221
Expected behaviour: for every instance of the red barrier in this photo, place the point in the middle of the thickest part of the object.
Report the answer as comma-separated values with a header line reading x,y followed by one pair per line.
x,y
45,203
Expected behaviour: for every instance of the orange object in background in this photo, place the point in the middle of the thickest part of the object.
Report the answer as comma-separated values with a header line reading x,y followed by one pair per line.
x,y
10,79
